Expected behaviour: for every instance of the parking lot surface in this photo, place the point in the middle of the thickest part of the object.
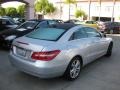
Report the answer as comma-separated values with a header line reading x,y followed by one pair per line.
x,y
102,74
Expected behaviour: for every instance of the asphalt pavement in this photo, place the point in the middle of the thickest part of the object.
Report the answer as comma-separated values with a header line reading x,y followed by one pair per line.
x,y
102,74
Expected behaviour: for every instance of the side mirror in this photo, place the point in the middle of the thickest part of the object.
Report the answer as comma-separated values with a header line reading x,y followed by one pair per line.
x,y
104,35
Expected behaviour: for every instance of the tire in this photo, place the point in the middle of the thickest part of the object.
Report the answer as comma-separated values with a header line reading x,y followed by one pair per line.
x,y
73,70
109,51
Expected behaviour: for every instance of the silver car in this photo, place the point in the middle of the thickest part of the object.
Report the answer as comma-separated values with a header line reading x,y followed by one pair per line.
x,y
61,49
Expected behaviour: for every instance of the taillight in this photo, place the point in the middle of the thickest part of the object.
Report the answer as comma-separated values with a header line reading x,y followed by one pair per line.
x,y
45,56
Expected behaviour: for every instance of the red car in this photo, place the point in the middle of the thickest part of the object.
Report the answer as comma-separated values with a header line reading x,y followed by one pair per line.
x,y
109,27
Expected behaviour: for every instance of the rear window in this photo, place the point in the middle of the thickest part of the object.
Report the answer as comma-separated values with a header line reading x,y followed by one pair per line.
x,y
49,34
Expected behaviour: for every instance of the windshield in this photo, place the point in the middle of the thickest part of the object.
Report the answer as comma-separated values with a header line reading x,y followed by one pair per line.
x,y
12,21
27,25
49,34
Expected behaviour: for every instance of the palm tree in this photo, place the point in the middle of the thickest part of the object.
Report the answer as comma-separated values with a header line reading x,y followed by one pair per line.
x,y
99,1
89,1
80,13
45,7
69,2
112,18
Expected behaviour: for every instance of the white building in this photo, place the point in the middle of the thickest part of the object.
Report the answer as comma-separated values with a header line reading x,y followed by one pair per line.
x,y
105,12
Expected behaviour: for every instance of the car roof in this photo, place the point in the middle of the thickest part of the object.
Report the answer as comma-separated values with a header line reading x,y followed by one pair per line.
x,y
65,26
39,20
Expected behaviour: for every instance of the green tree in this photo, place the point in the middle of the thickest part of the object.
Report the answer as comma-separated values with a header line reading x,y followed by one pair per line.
x,y
2,11
80,13
69,2
44,7
50,8
11,11
21,10
40,5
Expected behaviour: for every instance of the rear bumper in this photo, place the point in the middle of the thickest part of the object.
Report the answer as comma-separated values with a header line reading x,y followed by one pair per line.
x,y
38,69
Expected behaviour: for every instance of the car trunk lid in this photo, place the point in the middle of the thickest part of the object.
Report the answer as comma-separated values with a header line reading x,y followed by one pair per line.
x,y
24,46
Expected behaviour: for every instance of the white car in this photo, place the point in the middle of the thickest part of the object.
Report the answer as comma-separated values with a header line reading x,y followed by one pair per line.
x,y
61,49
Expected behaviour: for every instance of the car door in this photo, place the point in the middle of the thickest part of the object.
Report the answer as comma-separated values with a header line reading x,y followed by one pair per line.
x,y
98,43
80,44
2,26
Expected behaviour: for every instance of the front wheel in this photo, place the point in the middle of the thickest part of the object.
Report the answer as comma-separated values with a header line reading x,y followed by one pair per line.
x,y
109,51
73,69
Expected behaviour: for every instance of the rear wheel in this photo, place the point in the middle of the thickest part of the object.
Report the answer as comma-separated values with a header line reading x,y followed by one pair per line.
x,y
73,69
109,51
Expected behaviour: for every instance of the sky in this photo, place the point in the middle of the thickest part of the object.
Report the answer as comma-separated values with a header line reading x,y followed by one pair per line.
x,y
11,4
16,4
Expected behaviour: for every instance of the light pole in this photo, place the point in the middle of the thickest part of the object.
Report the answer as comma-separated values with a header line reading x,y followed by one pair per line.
x,y
60,9
99,10
112,18
89,15
69,11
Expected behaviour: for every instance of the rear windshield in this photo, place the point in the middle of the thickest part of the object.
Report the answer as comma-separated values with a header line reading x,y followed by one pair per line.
x,y
49,34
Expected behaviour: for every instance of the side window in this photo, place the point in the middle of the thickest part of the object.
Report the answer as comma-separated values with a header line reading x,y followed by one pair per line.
x,y
116,24
8,22
4,22
91,32
51,22
42,24
79,34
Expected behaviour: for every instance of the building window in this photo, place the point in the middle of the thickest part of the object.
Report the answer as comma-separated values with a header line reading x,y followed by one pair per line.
x,y
118,8
108,8
97,8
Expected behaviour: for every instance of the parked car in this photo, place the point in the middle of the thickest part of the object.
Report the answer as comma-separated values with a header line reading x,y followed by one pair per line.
x,y
74,21
109,27
92,24
59,50
6,23
19,20
7,36
8,17
59,20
